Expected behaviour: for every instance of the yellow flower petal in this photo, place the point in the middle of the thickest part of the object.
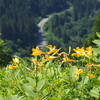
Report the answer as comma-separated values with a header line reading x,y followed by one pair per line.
x,y
16,60
37,51
82,52
34,60
79,71
50,47
48,57
12,67
79,52
89,51
98,45
91,75
95,65
66,59
52,50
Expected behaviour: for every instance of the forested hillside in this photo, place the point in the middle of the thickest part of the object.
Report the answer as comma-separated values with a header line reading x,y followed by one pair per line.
x,y
17,25
19,18
18,21
72,27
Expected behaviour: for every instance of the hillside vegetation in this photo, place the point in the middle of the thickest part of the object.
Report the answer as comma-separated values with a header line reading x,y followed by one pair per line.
x,y
54,74
72,27
18,21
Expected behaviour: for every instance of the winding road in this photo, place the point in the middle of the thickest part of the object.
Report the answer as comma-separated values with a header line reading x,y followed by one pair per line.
x,y
41,40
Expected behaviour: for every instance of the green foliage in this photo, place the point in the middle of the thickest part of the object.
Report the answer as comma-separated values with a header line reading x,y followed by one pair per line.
x,y
18,21
72,28
98,34
64,32
35,78
94,92
97,23
84,8
95,33
97,42
17,25
12,97
47,7
5,55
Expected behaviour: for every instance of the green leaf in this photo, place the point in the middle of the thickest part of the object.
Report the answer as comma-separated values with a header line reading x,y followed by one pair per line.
x,y
96,41
40,84
96,51
94,92
12,97
31,81
1,98
98,78
66,91
72,71
27,87
96,82
59,82
29,91
98,34
67,78
55,98
85,79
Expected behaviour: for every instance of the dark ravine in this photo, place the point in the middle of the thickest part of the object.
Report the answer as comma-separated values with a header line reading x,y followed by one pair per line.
x,y
41,40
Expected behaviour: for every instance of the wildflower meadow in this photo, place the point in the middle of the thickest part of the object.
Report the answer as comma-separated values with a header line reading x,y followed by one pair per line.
x,y
53,75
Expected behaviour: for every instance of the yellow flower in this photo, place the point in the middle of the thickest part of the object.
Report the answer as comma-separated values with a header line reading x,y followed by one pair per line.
x,y
34,60
79,71
52,49
63,53
97,59
91,75
16,60
98,45
37,51
48,57
56,51
12,67
66,59
89,51
95,65
79,52
37,66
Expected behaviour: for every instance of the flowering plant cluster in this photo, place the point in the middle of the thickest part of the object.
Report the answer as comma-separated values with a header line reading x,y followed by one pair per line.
x,y
53,75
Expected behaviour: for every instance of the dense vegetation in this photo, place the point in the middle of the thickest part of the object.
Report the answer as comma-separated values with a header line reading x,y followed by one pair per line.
x,y
44,7
96,28
17,25
72,27
53,74
5,53
18,21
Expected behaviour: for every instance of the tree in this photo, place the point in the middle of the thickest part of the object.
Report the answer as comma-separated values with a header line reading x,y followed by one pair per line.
x,y
17,23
